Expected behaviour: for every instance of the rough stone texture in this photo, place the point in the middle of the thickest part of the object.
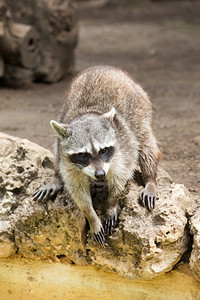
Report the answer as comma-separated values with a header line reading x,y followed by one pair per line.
x,y
147,244
20,164
144,245
34,229
195,255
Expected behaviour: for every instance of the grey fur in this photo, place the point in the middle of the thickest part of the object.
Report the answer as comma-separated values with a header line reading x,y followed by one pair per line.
x,y
104,108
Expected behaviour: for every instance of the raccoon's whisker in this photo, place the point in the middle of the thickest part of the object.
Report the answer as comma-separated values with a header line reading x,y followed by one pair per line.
x,y
80,166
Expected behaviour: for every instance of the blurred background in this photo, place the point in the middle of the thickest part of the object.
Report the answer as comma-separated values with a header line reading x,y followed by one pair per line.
x,y
44,43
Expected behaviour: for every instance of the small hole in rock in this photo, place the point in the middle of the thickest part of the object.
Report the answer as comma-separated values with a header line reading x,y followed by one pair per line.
x,y
47,163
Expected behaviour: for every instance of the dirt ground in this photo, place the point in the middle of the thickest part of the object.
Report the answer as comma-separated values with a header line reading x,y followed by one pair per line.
x,y
159,45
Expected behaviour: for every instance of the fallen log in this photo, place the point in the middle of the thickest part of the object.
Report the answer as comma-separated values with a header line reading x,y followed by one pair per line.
x,y
39,36
19,44
57,25
1,66
16,76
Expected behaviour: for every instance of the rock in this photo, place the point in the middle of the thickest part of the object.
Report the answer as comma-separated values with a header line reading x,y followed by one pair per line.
x,y
147,244
195,255
20,164
39,230
7,245
144,245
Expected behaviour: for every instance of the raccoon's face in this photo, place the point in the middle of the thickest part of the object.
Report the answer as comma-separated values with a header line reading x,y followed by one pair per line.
x,y
95,164
89,142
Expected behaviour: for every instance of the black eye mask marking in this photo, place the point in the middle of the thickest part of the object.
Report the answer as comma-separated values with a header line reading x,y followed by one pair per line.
x,y
106,153
81,159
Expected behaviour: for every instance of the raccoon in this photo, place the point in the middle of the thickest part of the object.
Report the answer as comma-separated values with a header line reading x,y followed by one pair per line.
x,y
103,132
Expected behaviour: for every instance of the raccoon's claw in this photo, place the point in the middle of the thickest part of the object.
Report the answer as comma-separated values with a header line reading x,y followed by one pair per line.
x,y
148,199
45,192
99,237
110,224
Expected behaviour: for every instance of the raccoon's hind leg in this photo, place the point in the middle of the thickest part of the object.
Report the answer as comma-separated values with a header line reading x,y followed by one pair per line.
x,y
120,172
115,187
149,155
111,219
49,190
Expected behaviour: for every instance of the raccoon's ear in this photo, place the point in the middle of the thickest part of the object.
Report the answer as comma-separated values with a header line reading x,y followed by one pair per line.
x,y
110,115
60,129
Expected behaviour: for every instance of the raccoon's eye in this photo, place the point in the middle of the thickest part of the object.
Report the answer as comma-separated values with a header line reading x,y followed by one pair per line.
x,y
106,153
81,159
103,151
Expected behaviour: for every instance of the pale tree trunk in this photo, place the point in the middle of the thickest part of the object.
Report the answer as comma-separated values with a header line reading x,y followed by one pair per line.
x,y
38,37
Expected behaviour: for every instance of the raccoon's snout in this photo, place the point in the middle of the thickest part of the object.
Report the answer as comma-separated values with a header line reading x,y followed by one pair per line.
x,y
100,175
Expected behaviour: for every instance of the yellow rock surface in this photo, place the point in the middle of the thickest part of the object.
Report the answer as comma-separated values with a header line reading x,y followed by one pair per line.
x,y
23,280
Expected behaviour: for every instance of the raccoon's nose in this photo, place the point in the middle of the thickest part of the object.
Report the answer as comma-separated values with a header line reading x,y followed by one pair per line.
x,y
100,175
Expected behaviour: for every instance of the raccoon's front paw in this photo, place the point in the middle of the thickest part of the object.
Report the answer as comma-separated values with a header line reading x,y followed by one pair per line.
x,y
46,191
111,221
97,230
99,236
148,198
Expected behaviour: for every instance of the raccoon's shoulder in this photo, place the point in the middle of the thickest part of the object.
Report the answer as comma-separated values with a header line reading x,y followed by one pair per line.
x,y
98,89
98,75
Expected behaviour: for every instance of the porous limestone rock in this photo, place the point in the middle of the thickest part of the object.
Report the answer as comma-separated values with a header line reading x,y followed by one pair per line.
x,y
147,244
195,255
20,163
36,230
144,245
